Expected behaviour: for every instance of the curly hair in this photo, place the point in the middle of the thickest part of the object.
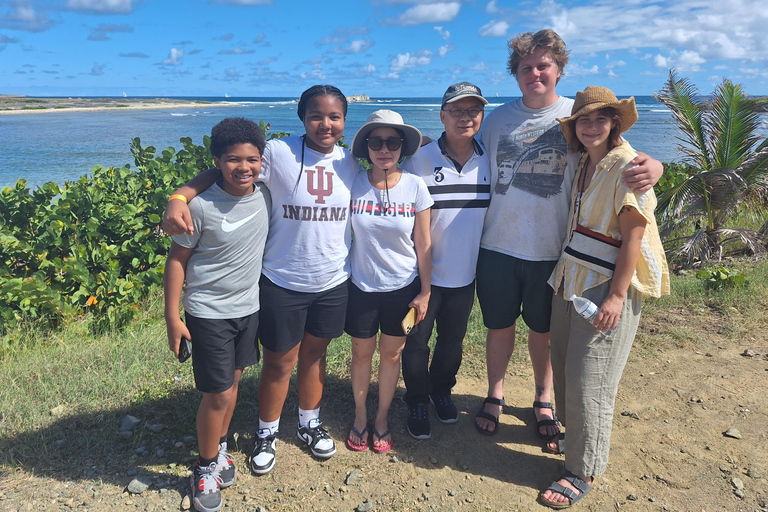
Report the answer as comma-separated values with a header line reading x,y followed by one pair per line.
x,y
319,90
525,44
236,130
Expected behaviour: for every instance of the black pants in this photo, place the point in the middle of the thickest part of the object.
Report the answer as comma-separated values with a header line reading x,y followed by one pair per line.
x,y
450,308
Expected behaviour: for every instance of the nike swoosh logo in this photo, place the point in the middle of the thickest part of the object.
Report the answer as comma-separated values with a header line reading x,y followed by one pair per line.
x,y
228,227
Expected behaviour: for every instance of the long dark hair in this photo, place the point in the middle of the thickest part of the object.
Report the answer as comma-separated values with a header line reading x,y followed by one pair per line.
x,y
320,90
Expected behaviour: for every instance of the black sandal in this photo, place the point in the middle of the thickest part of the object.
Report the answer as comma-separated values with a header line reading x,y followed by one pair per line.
x,y
488,416
546,423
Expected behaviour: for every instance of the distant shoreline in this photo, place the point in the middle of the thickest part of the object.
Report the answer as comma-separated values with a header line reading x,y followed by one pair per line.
x,y
10,105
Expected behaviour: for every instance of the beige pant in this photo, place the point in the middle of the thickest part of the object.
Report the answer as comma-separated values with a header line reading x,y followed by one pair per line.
x,y
587,368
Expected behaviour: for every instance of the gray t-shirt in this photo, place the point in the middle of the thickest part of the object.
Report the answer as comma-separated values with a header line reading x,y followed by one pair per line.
x,y
222,275
531,178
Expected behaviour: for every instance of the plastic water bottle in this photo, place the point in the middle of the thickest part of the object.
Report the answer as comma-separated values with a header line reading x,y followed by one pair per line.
x,y
588,310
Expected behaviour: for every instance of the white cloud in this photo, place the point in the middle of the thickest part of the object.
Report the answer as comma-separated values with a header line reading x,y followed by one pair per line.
x,y
407,60
492,8
443,50
174,57
686,61
391,76
231,74
102,6
235,51
357,46
370,68
97,69
494,28
480,66
316,74
429,13
22,16
575,69
446,35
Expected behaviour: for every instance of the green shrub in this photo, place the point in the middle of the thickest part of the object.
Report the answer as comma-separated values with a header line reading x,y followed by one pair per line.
x,y
92,246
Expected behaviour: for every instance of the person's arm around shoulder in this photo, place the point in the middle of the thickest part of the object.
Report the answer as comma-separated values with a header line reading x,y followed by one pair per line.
x,y
173,285
422,240
632,227
177,219
645,173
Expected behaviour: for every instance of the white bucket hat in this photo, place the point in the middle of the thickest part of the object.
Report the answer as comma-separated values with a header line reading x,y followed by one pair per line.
x,y
386,119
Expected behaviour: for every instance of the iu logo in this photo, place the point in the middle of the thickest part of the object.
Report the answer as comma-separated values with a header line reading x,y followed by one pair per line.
x,y
323,187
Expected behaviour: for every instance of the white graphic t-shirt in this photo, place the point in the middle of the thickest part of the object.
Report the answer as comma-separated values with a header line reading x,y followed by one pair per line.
x,y
309,229
383,254
531,178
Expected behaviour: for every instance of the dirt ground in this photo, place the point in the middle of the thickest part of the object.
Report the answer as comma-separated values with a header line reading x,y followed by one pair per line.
x,y
668,451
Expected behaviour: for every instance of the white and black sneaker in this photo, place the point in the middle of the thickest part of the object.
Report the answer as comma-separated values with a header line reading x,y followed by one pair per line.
x,y
263,457
225,464
321,445
206,487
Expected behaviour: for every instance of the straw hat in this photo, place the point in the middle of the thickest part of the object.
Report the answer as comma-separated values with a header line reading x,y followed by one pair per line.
x,y
386,119
594,98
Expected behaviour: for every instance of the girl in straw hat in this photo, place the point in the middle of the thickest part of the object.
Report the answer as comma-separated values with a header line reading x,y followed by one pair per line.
x,y
391,269
612,256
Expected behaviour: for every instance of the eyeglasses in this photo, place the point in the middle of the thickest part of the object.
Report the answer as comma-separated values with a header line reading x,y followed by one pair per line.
x,y
393,143
460,112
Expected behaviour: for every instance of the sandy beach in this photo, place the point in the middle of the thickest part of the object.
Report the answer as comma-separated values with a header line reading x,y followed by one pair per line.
x,y
29,105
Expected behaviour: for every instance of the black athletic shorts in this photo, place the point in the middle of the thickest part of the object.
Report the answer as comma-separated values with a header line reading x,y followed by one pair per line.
x,y
508,286
219,346
287,314
369,312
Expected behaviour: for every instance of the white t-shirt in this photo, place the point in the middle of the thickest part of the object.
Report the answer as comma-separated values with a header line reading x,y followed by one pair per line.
x,y
461,200
383,253
309,229
531,176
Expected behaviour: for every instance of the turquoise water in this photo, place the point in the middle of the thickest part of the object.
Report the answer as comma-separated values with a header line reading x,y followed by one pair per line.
x,y
63,146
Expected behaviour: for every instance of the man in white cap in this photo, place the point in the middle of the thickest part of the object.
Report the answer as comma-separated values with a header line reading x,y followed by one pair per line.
x,y
456,170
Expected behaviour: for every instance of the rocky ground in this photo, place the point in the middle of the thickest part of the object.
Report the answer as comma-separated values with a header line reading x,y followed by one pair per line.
x,y
689,435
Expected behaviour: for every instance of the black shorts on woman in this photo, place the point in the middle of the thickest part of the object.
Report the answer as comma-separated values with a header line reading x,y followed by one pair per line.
x,y
286,314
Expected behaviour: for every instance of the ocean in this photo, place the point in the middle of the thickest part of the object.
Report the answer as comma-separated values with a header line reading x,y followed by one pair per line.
x,y
63,146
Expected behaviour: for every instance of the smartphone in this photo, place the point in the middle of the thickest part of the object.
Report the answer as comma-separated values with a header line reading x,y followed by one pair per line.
x,y
185,350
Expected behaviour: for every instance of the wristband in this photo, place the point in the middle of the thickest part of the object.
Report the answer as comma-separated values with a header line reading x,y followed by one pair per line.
x,y
178,196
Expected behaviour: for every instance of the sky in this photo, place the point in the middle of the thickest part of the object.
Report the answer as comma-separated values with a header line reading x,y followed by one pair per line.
x,y
382,48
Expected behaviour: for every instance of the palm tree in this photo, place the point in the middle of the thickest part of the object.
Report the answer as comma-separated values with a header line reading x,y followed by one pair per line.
x,y
730,170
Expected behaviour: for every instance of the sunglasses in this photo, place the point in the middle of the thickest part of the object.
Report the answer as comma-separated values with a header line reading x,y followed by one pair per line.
x,y
393,143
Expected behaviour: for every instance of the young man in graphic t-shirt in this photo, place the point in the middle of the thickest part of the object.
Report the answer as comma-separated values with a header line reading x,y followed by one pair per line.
x,y
531,179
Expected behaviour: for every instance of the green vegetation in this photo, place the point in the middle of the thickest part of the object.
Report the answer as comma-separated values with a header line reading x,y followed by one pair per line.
x,y
719,276
725,173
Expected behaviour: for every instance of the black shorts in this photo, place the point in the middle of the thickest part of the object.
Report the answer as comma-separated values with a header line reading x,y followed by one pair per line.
x,y
219,347
508,286
287,314
369,312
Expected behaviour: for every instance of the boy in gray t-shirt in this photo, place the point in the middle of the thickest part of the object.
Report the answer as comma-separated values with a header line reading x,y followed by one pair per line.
x,y
221,264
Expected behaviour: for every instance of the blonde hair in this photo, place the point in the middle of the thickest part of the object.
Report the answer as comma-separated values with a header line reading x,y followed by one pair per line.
x,y
525,44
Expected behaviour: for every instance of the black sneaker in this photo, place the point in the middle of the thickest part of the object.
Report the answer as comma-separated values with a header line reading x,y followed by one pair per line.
x,y
418,421
263,457
206,488
446,411
318,440
225,464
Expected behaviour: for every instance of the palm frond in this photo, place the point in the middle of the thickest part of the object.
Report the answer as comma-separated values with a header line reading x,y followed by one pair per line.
x,y
754,241
671,203
754,170
681,97
733,121
694,246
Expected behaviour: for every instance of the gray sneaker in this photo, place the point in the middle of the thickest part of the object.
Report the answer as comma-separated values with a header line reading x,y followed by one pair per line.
x,y
225,464
206,487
